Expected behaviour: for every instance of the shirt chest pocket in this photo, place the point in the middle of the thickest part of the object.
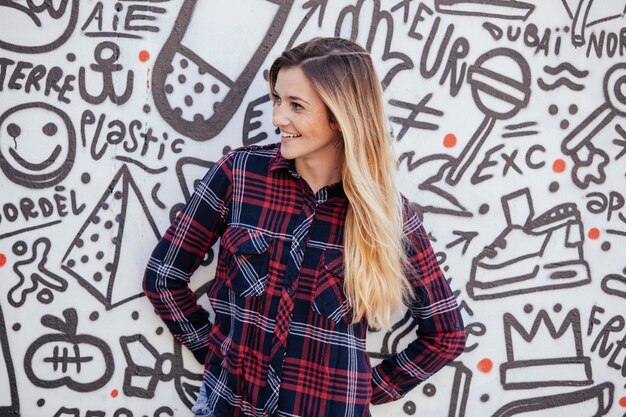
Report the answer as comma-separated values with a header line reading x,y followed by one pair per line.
x,y
246,260
330,300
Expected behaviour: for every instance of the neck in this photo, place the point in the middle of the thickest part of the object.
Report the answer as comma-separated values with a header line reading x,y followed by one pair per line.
x,y
319,174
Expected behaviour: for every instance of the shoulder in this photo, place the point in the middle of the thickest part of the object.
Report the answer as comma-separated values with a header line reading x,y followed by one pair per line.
x,y
261,151
411,216
252,158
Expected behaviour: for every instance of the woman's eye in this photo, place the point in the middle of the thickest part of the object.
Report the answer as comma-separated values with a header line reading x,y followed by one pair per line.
x,y
297,106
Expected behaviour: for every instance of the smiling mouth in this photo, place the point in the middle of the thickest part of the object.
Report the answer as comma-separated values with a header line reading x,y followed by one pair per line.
x,y
290,135
37,167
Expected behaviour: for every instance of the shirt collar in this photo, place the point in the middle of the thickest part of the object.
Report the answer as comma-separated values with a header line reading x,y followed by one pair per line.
x,y
278,162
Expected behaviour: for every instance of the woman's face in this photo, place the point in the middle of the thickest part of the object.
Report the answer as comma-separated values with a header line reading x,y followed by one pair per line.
x,y
300,114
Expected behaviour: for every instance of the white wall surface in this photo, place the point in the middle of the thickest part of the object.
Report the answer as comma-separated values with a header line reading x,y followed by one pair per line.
x,y
510,126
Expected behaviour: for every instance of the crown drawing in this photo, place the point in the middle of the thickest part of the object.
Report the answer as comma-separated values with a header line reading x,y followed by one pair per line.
x,y
544,355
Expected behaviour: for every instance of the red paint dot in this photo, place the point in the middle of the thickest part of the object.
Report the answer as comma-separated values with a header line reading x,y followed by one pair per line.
x,y
144,55
593,233
622,402
449,141
485,365
558,165
3,259
114,393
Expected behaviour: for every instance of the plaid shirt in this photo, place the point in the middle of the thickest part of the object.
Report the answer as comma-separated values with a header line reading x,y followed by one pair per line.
x,y
282,343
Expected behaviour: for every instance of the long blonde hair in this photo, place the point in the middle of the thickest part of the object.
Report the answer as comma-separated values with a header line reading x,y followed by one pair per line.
x,y
374,252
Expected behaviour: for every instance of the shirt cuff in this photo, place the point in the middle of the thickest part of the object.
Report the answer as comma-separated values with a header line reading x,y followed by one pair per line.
x,y
382,392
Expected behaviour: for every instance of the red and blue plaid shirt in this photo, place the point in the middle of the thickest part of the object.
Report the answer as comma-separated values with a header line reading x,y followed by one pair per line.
x,y
282,343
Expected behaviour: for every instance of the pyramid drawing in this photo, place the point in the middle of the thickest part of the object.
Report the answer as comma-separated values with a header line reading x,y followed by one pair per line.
x,y
100,250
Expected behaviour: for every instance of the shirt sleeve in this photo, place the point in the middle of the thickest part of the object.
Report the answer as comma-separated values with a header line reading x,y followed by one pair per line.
x,y
179,253
440,333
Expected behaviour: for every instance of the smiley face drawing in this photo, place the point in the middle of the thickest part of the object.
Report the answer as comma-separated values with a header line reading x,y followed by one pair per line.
x,y
37,145
36,26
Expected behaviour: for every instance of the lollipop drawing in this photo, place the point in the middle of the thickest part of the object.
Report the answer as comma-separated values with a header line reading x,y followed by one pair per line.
x,y
199,78
500,84
589,161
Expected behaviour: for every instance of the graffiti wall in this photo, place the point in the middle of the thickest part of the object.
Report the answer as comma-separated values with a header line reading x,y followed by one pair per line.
x,y
509,119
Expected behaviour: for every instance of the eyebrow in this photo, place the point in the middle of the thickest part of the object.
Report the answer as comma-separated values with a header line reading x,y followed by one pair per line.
x,y
292,98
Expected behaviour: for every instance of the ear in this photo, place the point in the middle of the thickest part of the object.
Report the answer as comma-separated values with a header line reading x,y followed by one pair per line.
x,y
333,122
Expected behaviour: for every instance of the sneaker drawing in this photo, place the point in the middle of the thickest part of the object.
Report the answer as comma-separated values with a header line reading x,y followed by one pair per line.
x,y
550,257
208,62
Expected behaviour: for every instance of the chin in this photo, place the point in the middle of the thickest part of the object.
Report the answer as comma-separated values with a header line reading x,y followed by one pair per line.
x,y
285,153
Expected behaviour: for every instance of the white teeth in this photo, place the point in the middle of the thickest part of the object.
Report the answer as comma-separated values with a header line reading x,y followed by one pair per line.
x,y
290,135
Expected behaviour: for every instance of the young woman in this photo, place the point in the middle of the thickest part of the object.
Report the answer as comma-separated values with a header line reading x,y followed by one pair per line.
x,y
317,244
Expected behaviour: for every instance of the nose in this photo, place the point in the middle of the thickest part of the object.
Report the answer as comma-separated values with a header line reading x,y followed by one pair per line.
x,y
279,118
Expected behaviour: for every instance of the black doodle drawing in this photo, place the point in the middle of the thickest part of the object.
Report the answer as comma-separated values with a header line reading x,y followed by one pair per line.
x,y
586,13
201,111
405,5
106,56
155,197
615,284
31,78
27,210
136,18
94,255
80,362
597,400
528,367
378,16
53,22
611,340
451,387
313,6
499,97
146,368
590,161
475,328
411,121
552,256
256,125
419,16
134,138
562,81
9,401
515,130
120,412
464,237
32,272
610,203
620,142
455,55
75,412
502,9
37,145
